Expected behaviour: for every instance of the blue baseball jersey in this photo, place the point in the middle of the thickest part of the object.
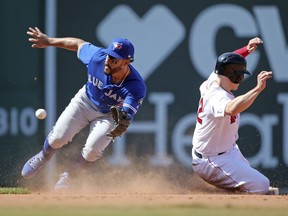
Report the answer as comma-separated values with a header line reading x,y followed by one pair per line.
x,y
100,89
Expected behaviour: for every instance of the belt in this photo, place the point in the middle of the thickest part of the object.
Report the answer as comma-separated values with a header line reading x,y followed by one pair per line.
x,y
200,155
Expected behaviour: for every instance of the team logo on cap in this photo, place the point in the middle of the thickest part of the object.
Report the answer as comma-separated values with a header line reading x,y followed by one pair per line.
x,y
117,45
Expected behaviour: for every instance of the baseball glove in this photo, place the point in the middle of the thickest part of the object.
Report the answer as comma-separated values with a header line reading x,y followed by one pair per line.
x,y
121,122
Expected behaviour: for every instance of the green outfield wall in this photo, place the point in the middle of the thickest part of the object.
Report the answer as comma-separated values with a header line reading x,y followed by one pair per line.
x,y
176,45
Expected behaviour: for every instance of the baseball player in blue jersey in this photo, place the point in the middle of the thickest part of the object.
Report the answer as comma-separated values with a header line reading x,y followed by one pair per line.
x,y
107,102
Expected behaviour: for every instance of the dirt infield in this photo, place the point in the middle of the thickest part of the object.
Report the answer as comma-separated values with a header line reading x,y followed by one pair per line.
x,y
209,200
64,204
138,191
147,190
152,197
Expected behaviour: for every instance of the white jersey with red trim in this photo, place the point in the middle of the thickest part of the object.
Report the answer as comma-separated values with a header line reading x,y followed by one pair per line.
x,y
214,133
216,157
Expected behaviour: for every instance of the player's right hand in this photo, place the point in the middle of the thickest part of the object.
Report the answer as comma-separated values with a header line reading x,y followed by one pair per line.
x,y
39,39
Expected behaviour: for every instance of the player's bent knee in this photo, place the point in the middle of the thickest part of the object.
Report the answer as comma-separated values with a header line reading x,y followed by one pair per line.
x,y
261,186
91,155
57,142
265,183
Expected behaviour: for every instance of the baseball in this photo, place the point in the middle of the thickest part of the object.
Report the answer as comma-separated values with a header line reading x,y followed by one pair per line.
x,y
41,113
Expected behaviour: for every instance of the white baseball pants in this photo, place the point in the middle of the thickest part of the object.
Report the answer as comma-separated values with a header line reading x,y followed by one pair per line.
x,y
78,114
230,171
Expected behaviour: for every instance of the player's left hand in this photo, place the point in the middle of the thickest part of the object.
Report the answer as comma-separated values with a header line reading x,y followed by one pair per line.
x,y
121,122
262,77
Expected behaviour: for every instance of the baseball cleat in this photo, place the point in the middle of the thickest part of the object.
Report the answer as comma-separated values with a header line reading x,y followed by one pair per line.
x,y
33,165
64,182
273,191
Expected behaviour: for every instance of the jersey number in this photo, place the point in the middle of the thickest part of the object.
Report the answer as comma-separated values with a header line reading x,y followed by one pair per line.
x,y
200,109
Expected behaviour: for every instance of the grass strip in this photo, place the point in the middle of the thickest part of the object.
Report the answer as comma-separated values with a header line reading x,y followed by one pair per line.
x,y
14,190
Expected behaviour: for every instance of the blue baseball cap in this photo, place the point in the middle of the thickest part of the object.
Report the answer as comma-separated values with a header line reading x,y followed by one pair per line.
x,y
120,48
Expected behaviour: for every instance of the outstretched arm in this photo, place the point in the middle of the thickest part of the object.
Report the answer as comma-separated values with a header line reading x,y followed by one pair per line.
x,y
41,40
250,47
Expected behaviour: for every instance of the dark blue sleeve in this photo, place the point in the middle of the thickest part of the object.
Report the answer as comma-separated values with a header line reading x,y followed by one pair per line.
x,y
86,52
134,100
